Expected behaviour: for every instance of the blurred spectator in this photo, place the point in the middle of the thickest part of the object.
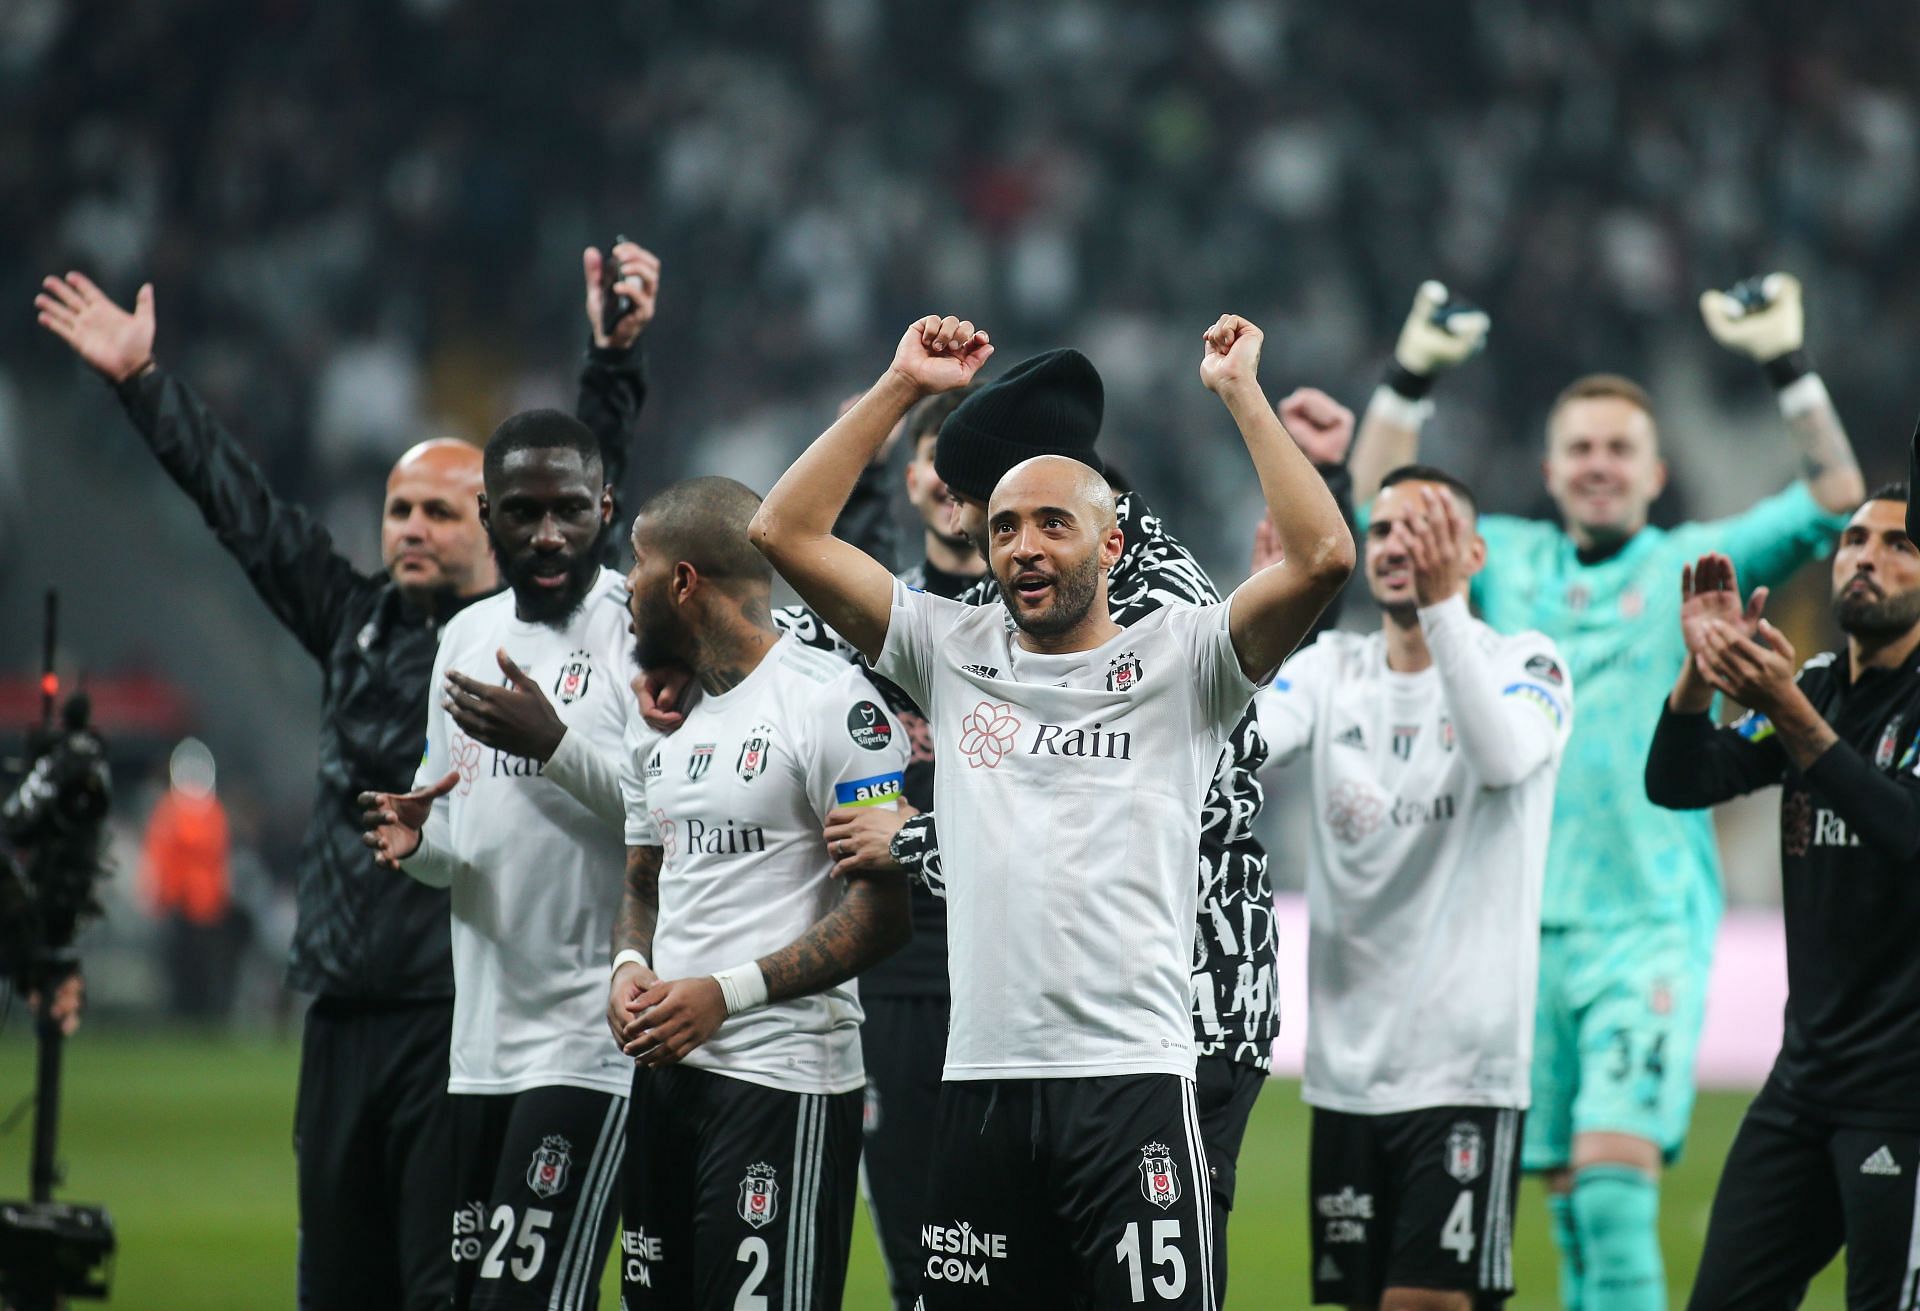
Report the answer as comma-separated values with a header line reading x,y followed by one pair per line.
x,y
183,872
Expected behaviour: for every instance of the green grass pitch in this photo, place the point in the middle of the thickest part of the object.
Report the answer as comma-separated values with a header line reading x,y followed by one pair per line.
x,y
188,1142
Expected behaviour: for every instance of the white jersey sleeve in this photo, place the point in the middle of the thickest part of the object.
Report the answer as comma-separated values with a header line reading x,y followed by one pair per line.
x,y
589,777
858,755
1289,706
433,862
1512,698
915,629
639,756
1220,685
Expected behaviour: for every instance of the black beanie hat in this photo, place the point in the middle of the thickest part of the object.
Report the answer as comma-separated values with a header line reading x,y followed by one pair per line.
x,y
1047,405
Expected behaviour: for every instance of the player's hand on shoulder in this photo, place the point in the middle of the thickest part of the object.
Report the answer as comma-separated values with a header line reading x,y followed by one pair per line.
x,y
860,838
938,354
394,819
517,719
1320,426
1231,357
1761,318
623,1001
1440,332
674,1018
666,695
636,275
114,343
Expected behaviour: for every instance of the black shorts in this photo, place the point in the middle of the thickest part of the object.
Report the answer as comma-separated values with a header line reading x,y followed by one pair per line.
x,y
371,1134
534,1176
736,1195
1224,1091
1418,1199
1068,1192
903,1043
1796,1189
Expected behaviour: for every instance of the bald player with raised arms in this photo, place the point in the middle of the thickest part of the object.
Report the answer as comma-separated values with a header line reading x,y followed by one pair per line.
x,y
1072,756
371,1131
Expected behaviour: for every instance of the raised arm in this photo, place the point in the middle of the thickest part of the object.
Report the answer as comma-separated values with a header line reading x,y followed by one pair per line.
x,y
793,528
613,383
287,555
1440,332
1275,608
1762,318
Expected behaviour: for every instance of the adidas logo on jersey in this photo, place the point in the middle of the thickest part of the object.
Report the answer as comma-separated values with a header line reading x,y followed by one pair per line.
x,y
1881,1163
1351,737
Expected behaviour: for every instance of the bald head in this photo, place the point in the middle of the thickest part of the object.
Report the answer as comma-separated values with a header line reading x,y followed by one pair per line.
x,y
1052,535
1058,481
430,533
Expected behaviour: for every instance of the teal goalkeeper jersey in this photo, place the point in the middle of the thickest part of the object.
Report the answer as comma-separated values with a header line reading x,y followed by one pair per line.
x,y
1615,856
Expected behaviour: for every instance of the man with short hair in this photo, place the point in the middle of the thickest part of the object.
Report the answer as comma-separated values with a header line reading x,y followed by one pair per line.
x,y
1434,745
1632,898
736,946
1829,1152
371,1121
517,811
1073,755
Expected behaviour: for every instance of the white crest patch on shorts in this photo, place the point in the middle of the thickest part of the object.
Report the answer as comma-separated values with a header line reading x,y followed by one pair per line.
x,y
552,1159
1464,1157
1159,1176
759,1195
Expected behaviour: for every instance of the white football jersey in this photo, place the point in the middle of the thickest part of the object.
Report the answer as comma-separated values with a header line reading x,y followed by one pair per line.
x,y
737,800
1069,790
1423,881
536,874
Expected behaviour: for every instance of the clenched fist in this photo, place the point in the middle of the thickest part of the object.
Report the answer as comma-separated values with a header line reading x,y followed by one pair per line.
x,y
1232,357
937,354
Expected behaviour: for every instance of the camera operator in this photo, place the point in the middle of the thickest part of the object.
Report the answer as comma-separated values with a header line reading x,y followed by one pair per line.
x,y
371,1130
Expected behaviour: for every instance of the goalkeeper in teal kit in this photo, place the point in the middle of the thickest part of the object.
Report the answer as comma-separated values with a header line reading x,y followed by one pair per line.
x,y
1632,898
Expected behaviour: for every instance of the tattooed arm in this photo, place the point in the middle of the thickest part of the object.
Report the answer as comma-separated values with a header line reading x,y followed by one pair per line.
x,y
870,924
1827,461
633,931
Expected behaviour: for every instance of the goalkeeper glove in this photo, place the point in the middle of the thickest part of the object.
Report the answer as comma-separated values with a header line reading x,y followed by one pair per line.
x,y
1439,333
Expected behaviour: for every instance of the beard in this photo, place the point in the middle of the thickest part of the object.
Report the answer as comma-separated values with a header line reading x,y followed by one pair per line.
x,y
1876,614
657,640
542,605
1073,593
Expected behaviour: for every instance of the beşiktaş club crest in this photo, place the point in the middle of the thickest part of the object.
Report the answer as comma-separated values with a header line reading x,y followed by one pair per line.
x,y
547,1174
759,1196
1159,1176
1123,672
752,761
1889,741
1463,1152
700,761
576,672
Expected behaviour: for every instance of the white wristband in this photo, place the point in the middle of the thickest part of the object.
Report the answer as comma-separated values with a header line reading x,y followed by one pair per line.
x,y
1397,410
1803,395
630,955
744,987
